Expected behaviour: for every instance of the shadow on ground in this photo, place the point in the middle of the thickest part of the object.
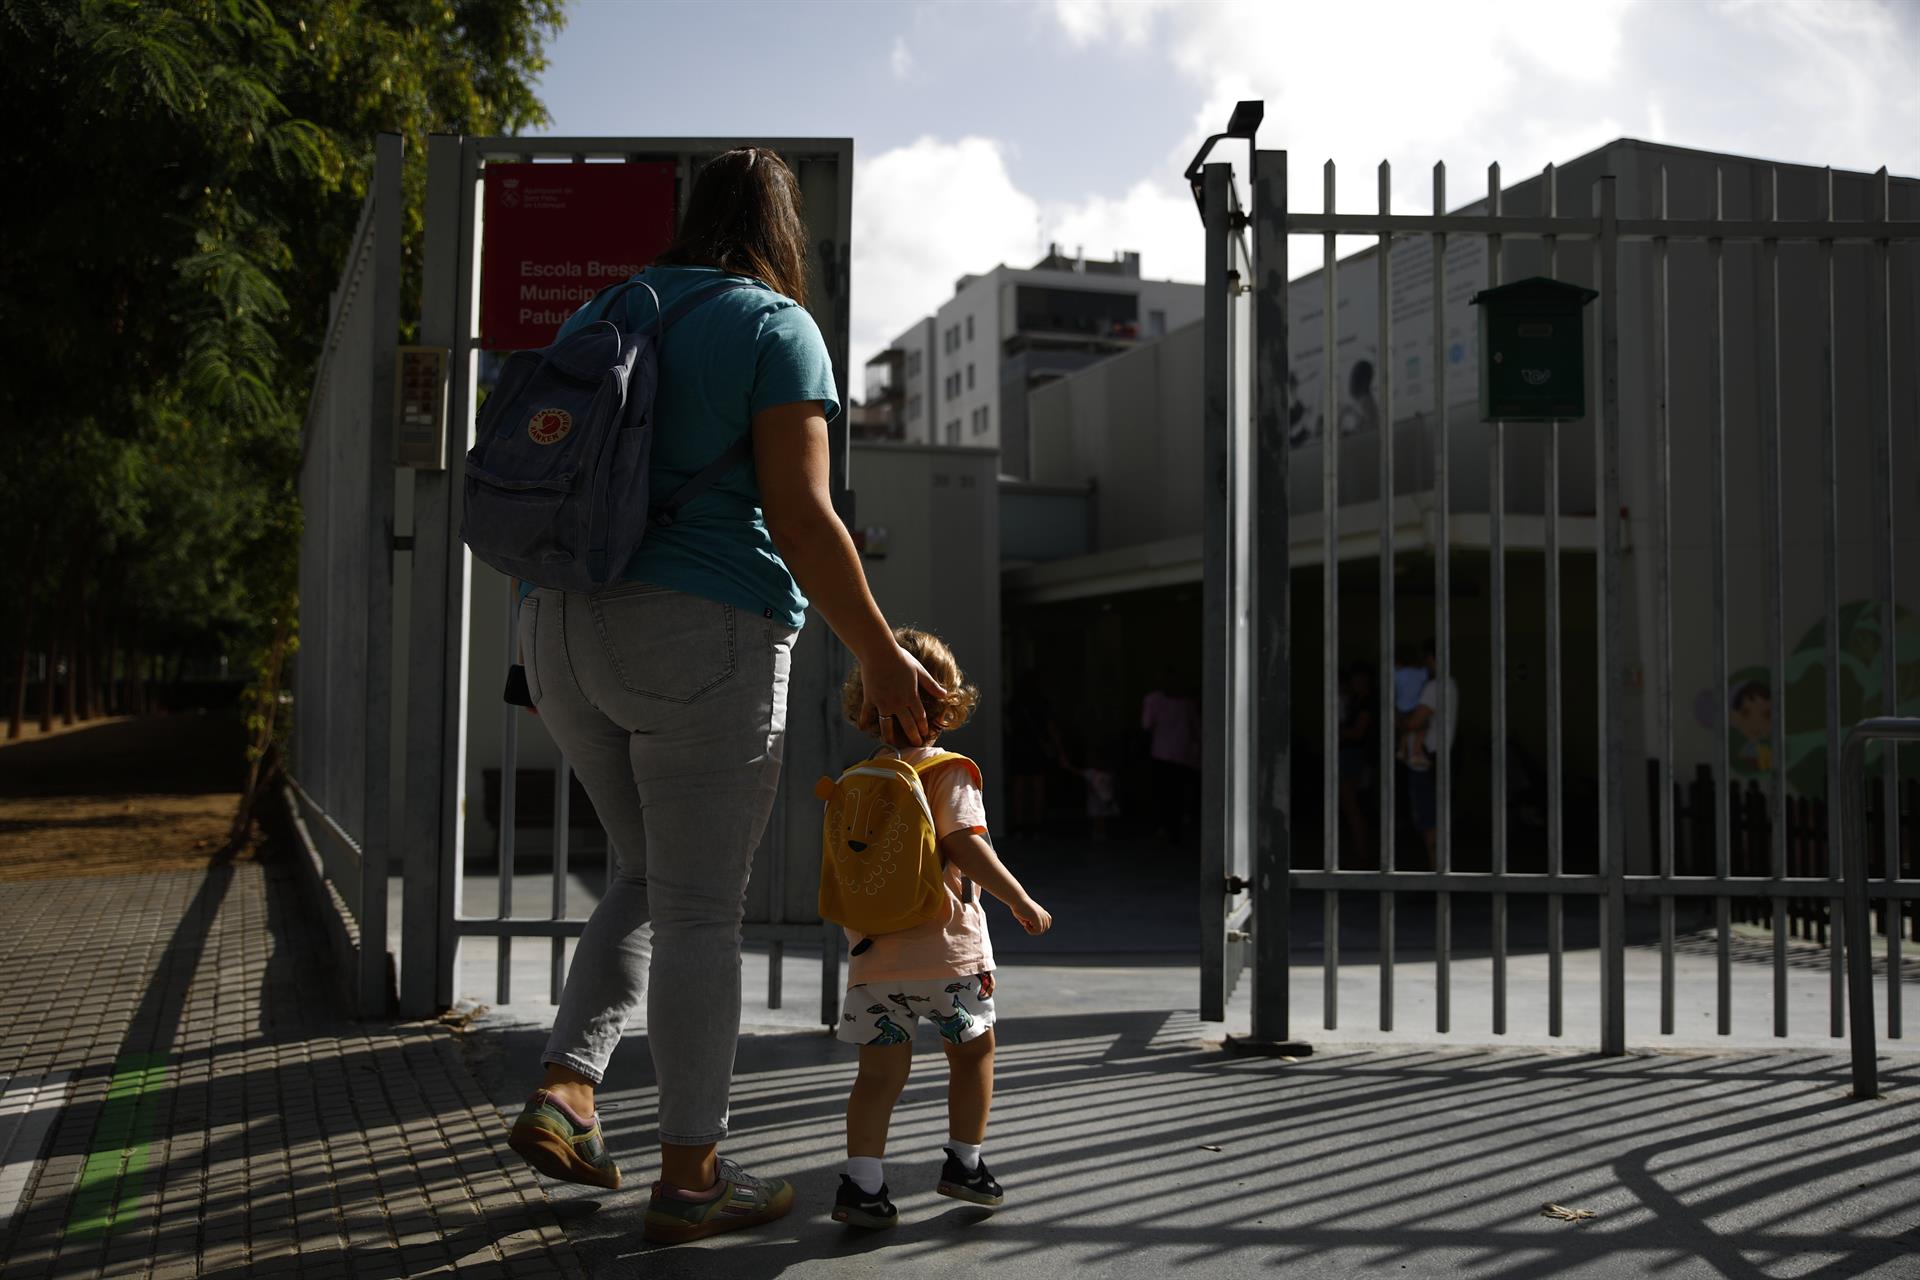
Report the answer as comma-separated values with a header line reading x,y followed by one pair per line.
x,y
1128,1148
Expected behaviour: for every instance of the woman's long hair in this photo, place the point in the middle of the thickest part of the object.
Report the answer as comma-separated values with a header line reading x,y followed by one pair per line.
x,y
743,217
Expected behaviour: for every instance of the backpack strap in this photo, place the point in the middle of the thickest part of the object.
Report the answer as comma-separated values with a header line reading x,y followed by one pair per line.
x,y
741,450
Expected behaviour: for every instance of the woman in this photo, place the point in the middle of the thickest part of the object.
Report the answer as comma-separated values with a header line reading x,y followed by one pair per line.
x,y
667,691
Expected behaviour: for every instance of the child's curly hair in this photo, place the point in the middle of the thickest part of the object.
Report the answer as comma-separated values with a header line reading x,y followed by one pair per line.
x,y
943,714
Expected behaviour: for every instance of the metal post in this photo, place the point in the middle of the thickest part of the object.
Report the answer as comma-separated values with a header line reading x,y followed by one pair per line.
x,y
1889,667
1497,628
509,817
1383,691
562,837
1330,612
1890,731
1613,1009
371,982
1663,599
1722,763
1776,524
1830,561
1556,827
1215,715
1272,605
1442,763
427,919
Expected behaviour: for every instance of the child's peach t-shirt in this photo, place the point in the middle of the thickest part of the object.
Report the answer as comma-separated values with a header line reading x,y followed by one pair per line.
x,y
955,945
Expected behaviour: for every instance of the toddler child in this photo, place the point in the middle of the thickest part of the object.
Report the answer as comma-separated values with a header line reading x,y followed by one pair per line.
x,y
940,970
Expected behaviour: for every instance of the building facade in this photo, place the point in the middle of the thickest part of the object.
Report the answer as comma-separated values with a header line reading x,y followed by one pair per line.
x,y
961,377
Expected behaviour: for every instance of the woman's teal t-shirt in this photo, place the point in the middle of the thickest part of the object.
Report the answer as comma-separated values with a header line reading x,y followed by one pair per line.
x,y
720,364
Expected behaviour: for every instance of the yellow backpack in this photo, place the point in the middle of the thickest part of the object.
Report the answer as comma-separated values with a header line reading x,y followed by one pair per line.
x,y
879,856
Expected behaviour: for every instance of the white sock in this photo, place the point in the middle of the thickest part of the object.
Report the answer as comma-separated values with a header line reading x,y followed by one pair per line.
x,y
967,1153
866,1173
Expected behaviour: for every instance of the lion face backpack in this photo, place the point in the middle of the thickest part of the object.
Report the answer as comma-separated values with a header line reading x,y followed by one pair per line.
x,y
880,868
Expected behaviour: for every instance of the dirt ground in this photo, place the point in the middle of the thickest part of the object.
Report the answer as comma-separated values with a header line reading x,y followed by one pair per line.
x,y
119,797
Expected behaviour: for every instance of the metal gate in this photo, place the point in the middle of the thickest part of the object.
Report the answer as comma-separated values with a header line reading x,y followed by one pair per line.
x,y
1753,411
340,795
462,613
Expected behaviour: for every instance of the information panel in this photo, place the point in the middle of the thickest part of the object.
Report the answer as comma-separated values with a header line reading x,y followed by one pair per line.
x,y
556,234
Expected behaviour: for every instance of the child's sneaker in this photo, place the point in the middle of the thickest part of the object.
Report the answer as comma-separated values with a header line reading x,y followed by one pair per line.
x,y
857,1208
736,1200
976,1186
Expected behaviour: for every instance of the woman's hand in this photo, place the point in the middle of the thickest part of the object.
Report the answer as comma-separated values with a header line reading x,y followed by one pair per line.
x,y
891,682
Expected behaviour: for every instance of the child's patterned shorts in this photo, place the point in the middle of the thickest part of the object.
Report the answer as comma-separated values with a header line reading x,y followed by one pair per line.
x,y
888,1014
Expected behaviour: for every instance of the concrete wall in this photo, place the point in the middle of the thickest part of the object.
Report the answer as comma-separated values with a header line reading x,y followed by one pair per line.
x,y
939,507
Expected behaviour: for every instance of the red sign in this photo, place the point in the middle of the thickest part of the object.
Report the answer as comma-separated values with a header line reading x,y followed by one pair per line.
x,y
556,234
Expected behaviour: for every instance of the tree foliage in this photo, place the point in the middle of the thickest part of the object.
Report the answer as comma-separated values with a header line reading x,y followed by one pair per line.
x,y
187,176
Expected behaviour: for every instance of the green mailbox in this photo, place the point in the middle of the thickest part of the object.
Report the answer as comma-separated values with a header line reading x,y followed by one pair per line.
x,y
1533,350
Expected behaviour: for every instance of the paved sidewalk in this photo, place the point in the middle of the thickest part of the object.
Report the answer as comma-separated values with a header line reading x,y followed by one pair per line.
x,y
1129,1148
218,1118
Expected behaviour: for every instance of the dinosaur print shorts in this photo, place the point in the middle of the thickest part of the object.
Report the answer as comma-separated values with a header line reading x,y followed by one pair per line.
x,y
888,1014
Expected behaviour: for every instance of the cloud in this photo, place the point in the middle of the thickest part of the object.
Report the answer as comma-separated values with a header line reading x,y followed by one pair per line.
x,y
1152,218
901,59
1516,81
923,216
1526,83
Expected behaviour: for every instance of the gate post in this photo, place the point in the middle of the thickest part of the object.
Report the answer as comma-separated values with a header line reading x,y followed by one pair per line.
x,y
436,661
1271,606
1216,711
1613,923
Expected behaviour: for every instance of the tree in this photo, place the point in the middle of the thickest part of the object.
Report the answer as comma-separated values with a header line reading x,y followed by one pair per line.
x,y
196,169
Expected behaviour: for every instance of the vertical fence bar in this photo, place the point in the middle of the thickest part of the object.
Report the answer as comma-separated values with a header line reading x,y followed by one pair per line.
x,y
1830,562
376,835
1556,826
1776,516
1216,717
1497,594
1383,690
1273,606
422,920
1330,612
509,812
1442,763
562,835
1889,595
1663,598
1722,766
1613,1009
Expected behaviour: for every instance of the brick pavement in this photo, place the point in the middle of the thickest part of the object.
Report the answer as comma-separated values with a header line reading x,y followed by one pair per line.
x,y
222,1119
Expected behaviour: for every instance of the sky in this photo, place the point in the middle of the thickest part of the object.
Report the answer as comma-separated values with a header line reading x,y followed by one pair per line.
x,y
984,129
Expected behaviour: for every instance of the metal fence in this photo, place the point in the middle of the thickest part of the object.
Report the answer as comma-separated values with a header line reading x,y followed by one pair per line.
x,y
1822,327
339,790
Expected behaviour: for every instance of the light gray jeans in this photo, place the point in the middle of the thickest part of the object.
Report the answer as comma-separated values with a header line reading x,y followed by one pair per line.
x,y
672,709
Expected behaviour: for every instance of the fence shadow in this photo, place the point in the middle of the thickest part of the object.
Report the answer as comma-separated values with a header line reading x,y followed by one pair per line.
x,y
1129,1148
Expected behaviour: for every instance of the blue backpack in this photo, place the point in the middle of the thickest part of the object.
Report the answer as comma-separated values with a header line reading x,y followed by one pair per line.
x,y
556,487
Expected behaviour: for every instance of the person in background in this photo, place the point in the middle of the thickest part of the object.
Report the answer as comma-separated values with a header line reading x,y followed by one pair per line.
x,y
1359,748
1034,749
1171,719
1432,721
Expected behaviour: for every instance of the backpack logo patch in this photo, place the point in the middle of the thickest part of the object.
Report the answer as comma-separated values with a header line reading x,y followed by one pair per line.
x,y
549,426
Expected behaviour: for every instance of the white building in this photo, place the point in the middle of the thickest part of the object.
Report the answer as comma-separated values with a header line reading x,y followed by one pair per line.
x,y
961,376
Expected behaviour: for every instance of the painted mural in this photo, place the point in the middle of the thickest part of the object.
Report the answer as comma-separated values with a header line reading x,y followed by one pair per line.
x,y
1752,731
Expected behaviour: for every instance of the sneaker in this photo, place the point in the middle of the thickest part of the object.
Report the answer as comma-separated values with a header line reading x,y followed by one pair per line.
x,y
856,1208
736,1199
976,1186
551,1138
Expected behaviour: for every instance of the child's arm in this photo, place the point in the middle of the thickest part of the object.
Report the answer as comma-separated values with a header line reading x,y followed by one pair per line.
x,y
978,862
